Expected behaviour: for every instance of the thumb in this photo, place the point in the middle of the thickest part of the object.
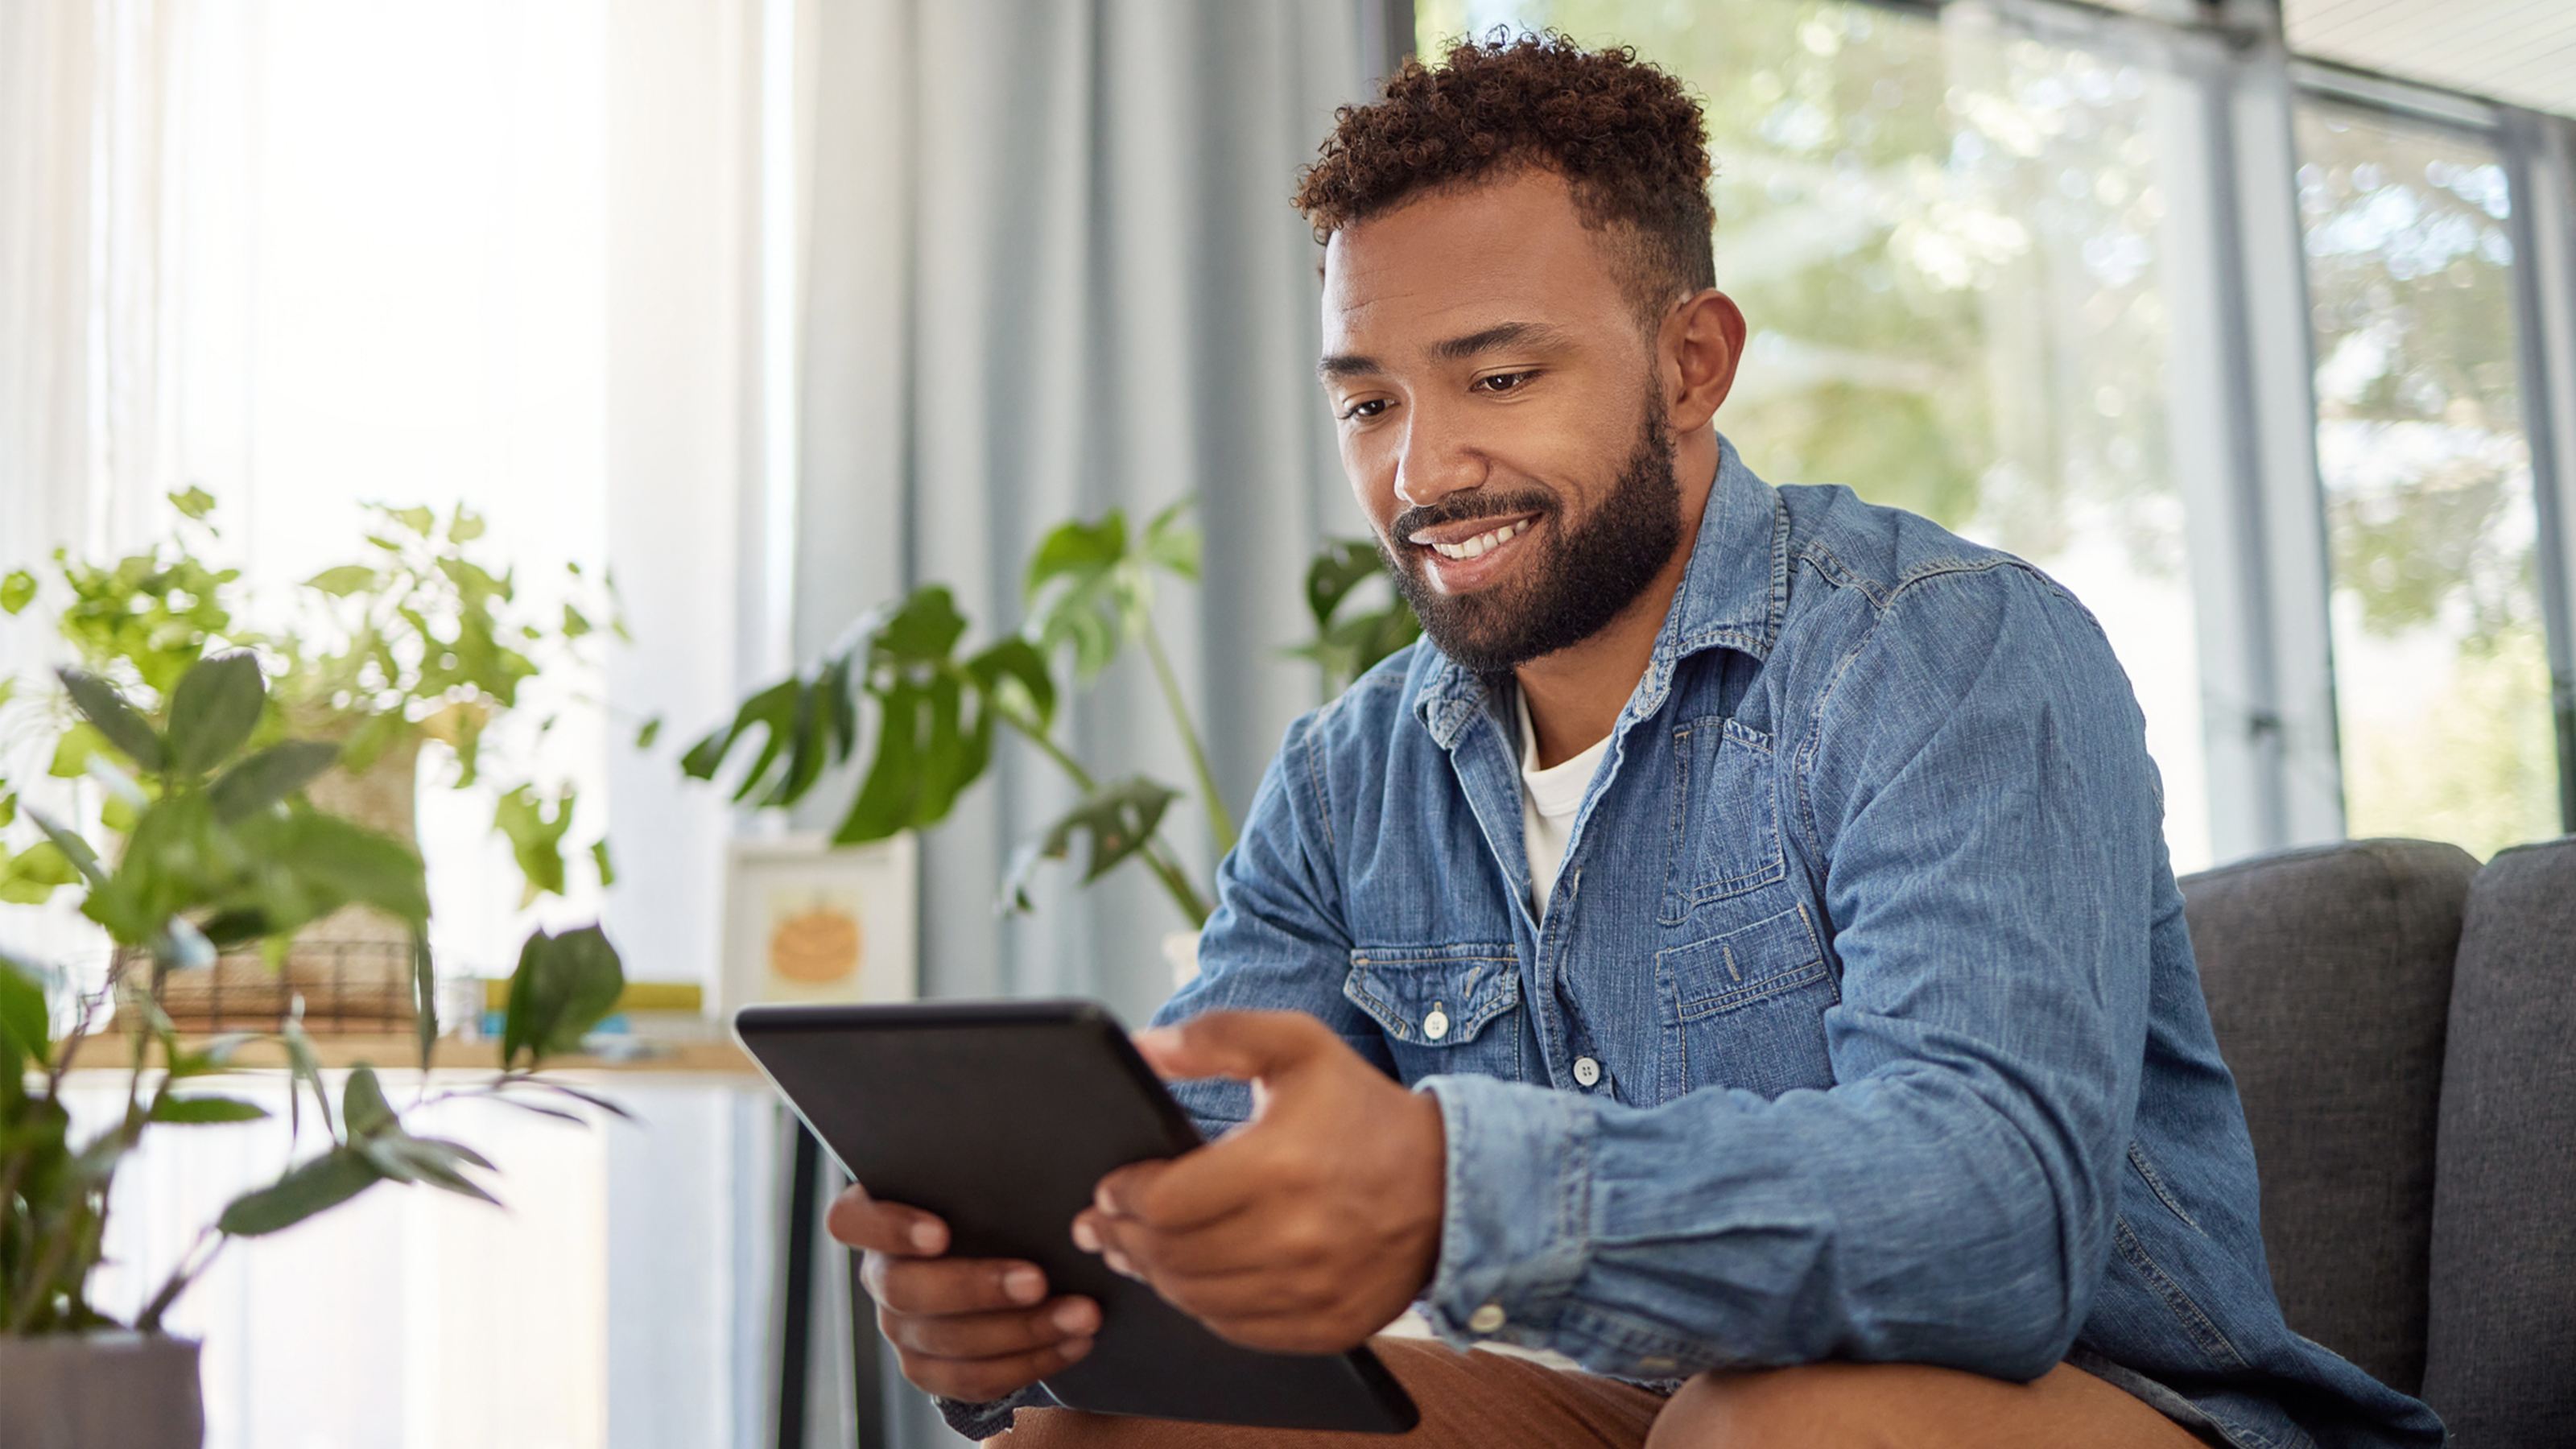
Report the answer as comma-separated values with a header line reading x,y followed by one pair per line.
x,y
1243,1045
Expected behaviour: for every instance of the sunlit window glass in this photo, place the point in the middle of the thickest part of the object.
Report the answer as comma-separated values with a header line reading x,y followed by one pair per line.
x,y
2441,680
1943,236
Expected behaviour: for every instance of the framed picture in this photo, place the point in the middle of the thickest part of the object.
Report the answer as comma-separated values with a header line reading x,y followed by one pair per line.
x,y
807,921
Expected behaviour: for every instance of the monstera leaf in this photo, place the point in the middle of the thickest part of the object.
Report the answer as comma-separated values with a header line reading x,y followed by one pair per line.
x,y
935,715
1090,588
1346,647
1120,818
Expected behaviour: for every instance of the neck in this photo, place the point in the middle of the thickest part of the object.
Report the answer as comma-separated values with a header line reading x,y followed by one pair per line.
x,y
1575,694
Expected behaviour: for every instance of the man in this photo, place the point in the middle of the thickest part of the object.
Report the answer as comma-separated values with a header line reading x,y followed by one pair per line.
x,y
1762,896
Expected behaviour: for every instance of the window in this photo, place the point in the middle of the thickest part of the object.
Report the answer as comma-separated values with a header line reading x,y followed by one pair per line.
x,y
2013,266
1943,235
2441,675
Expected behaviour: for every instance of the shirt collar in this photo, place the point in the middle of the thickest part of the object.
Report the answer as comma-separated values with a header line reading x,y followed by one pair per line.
x,y
1732,595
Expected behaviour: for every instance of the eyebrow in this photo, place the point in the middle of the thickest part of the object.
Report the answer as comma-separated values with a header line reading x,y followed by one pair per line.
x,y
1453,349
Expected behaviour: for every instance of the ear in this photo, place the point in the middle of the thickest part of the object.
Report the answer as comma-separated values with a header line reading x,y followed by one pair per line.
x,y
1697,350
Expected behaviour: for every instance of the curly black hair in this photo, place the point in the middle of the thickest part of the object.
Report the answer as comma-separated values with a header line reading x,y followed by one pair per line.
x,y
1625,135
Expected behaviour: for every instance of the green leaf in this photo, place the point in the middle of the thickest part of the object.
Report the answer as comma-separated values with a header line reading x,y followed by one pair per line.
x,y
361,864
565,985
325,1182
1085,593
17,591
262,781
1346,648
1120,818
607,867
774,710
31,876
215,1056
214,709
1076,550
418,519
424,997
429,1160
650,731
926,754
343,581
921,631
1015,663
306,1066
105,709
363,1108
74,849
195,1110
536,838
1340,566
25,1023
575,624
465,527
73,750
1172,545
195,502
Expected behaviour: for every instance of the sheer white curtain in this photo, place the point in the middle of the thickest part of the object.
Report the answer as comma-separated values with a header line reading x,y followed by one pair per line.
x,y
306,255
503,253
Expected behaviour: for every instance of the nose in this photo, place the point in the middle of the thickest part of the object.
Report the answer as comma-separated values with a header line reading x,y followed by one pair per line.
x,y
1438,457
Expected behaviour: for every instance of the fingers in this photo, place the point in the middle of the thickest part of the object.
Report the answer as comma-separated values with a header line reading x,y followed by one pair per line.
x,y
969,1328
1237,1044
976,1380
974,1328
951,1285
974,1337
884,1227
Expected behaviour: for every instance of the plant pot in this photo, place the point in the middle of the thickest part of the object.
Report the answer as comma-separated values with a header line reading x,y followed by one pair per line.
x,y
97,1390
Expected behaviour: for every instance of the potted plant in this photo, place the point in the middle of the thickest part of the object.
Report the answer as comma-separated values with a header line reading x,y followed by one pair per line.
x,y
423,640
1089,589
220,846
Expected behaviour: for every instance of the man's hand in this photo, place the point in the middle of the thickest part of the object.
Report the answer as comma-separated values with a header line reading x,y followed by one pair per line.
x,y
1303,1231
966,1328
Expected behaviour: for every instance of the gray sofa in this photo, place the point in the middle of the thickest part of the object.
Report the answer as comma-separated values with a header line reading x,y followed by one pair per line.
x,y
2402,1025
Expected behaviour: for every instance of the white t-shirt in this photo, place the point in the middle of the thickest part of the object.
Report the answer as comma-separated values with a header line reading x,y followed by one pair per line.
x,y
1549,799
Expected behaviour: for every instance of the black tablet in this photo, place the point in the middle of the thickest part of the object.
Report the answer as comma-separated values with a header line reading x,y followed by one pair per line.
x,y
1001,1117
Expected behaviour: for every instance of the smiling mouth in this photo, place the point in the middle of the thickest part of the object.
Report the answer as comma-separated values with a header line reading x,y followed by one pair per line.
x,y
1476,546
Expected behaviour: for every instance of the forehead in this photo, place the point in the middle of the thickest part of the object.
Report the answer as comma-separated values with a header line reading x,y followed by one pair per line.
x,y
1454,262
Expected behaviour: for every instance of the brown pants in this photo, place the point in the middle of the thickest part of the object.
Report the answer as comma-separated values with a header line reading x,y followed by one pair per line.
x,y
1488,1400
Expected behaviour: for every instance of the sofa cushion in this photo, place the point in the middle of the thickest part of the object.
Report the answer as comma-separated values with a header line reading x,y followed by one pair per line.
x,y
2328,974
2500,1363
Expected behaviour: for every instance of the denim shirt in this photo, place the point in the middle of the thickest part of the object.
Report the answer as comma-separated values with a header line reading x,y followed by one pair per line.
x,y
1861,1023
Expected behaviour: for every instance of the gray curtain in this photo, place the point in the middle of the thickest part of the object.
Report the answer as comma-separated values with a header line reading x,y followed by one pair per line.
x,y
1051,268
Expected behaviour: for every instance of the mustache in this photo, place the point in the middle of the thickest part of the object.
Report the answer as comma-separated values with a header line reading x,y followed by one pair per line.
x,y
1469,506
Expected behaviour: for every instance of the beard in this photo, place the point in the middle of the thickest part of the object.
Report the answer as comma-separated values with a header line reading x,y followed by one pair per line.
x,y
1588,570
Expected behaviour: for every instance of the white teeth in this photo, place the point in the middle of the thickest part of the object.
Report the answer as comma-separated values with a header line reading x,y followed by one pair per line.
x,y
1482,543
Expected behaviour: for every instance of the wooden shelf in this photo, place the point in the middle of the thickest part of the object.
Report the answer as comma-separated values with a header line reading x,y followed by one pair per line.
x,y
402,1053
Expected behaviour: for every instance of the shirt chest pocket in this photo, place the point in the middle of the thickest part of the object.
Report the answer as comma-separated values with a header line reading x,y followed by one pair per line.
x,y
1726,817
1444,1009
1745,1008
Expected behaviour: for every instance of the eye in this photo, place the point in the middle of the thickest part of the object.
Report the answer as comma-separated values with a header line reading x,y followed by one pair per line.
x,y
1502,383
1365,408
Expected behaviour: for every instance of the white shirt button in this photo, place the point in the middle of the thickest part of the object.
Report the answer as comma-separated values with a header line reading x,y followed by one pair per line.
x,y
1436,1025
1485,1319
1587,1072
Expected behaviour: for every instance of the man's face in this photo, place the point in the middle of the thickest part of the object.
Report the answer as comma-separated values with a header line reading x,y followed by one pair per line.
x,y
1499,416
